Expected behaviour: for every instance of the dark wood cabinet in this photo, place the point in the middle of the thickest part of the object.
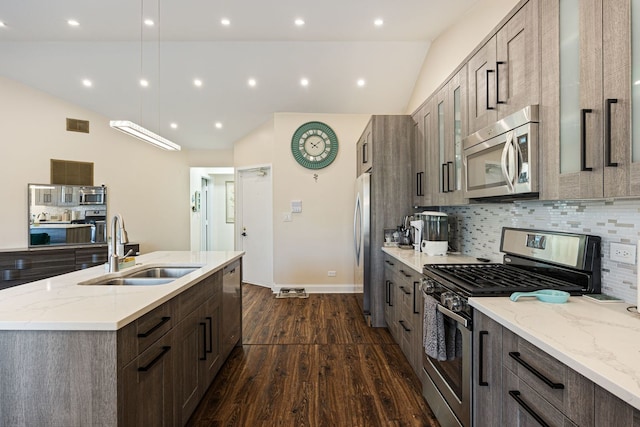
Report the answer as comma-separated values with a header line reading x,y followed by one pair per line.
x,y
231,312
364,149
146,386
21,267
487,371
390,196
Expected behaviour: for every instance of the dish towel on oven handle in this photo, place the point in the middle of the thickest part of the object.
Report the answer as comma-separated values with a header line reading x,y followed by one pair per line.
x,y
441,338
433,335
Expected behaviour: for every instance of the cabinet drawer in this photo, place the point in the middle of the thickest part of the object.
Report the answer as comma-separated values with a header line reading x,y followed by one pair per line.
x,y
561,386
138,335
524,407
193,297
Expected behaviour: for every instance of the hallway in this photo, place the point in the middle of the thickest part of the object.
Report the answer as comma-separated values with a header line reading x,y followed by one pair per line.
x,y
312,362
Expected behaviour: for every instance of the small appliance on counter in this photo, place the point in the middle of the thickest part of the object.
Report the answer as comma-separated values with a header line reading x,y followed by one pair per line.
x,y
435,233
416,226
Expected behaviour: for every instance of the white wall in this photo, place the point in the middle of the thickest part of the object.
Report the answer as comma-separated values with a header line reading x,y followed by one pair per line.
x,y
320,238
452,46
148,186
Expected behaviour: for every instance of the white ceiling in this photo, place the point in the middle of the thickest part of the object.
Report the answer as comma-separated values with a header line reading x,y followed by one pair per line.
x,y
338,45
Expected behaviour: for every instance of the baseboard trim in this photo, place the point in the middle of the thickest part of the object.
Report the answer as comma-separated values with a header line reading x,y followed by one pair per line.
x,y
319,289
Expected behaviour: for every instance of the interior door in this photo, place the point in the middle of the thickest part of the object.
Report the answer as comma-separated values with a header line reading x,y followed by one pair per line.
x,y
254,225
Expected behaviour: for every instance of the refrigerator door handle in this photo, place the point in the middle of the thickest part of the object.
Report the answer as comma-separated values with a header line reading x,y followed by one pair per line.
x,y
357,220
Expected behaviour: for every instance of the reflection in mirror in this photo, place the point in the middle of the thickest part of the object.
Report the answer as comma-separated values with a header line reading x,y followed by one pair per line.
x,y
66,215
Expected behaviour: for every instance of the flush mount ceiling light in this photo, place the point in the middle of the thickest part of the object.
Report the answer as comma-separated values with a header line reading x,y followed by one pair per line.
x,y
146,135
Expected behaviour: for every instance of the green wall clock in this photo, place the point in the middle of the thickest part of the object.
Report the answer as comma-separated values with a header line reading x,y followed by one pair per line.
x,y
314,145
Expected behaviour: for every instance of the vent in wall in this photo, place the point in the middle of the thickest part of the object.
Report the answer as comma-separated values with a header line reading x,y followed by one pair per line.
x,y
68,172
76,125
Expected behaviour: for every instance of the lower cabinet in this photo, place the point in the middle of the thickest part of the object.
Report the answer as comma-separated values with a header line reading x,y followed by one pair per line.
x,y
404,309
146,386
517,384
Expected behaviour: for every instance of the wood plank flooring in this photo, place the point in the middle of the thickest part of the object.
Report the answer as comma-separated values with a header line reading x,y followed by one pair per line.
x,y
312,362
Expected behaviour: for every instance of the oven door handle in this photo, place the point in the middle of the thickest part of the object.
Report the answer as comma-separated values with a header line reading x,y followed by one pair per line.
x,y
455,316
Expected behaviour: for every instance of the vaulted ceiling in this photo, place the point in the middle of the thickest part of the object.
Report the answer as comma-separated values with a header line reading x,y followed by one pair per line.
x,y
350,63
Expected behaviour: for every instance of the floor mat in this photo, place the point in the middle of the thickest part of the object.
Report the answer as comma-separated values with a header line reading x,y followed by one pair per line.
x,y
292,293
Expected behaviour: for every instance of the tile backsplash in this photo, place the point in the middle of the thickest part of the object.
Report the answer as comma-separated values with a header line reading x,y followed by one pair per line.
x,y
476,231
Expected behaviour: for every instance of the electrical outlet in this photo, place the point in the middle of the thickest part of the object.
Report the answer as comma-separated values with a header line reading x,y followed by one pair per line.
x,y
331,273
623,253
286,217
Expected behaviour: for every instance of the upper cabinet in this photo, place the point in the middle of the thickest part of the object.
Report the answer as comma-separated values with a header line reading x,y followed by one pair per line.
x,y
450,127
364,151
422,155
591,70
504,74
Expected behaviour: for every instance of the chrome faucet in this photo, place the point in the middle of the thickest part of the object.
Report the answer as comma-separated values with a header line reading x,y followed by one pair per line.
x,y
118,237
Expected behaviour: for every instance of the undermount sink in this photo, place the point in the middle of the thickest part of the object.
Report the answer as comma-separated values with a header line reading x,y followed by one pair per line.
x,y
163,272
132,281
159,275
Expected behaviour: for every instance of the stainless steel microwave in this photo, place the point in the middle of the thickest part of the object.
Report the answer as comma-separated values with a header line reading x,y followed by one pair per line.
x,y
502,159
93,195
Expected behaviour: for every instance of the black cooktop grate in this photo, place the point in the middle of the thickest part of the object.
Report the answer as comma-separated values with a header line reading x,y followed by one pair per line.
x,y
498,279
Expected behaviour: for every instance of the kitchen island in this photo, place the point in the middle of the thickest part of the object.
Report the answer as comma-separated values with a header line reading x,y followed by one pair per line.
x,y
598,341
79,355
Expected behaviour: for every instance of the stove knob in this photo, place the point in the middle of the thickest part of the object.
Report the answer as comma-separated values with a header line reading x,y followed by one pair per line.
x,y
456,304
428,286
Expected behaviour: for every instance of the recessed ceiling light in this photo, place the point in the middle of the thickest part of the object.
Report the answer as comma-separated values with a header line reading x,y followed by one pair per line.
x,y
174,125
87,82
73,22
2,24
378,22
361,82
144,83
299,22
225,21
218,125
636,83
252,82
149,22
197,82
304,82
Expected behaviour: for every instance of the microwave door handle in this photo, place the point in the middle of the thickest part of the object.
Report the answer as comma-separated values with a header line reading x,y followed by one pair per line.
x,y
506,162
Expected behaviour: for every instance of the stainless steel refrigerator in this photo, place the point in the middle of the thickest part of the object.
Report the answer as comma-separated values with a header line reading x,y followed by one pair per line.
x,y
362,243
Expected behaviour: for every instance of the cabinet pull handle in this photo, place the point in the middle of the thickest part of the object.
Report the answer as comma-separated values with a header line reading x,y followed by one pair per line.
x,y
489,107
498,82
164,351
516,395
516,355
390,294
444,190
405,291
162,321
449,169
204,341
210,320
608,134
415,294
481,381
404,326
365,153
386,291
419,190
404,273
583,139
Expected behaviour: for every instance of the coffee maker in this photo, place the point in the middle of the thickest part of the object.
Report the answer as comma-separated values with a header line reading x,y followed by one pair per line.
x,y
435,232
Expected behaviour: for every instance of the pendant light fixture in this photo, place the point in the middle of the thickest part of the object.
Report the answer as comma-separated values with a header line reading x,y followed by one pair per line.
x,y
133,129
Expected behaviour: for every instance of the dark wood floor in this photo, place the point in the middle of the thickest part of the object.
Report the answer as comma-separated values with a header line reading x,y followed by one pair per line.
x,y
312,362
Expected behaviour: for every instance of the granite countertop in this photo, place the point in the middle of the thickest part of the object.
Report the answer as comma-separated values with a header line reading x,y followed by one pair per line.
x,y
599,340
59,303
416,260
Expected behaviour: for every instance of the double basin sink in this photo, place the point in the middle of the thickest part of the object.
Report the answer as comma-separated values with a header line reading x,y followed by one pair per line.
x,y
158,275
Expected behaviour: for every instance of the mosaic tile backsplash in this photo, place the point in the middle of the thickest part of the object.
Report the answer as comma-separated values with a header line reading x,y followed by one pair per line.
x,y
476,230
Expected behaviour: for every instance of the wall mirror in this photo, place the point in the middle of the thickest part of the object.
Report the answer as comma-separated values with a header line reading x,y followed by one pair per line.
x,y
62,215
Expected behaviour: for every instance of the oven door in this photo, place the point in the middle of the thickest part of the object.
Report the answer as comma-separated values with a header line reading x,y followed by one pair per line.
x,y
503,165
450,380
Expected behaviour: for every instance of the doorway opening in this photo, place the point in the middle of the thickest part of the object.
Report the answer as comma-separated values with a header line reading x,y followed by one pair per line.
x,y
212,209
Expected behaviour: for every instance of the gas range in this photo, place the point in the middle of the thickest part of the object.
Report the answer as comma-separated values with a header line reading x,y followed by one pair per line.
x,y
533,260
